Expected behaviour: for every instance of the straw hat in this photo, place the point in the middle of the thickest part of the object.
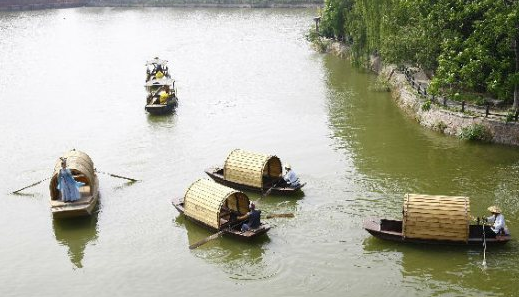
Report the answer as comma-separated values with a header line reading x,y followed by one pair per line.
x,y
494,209
287,166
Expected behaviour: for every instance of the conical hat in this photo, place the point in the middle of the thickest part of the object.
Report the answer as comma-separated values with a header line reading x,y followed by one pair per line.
x,y
494,209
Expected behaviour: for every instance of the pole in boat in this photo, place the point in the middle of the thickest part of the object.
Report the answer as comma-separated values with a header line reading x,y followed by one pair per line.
x,y
31,185
117,176
279,215
484,248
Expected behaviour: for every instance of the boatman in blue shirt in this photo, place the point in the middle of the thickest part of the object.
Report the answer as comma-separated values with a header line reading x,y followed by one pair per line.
x,y
253,217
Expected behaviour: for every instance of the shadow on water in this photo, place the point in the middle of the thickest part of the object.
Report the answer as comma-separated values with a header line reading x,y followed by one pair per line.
x,y
76,234
438,269
162,121
243,260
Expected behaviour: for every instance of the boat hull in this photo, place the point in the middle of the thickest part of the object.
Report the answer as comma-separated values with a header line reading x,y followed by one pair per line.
x,y
77,209
219,178
391,232
161,109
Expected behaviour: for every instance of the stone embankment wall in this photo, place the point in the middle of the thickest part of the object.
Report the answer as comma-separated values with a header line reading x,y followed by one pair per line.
x,y
436,117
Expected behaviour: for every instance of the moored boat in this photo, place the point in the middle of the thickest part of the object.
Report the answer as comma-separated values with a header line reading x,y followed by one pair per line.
x,y
216,207
82,169
252,171
162,96
431,219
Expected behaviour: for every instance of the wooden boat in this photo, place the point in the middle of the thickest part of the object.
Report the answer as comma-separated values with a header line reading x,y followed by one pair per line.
x,y
82,169
211,205
251,171
154,87
433,220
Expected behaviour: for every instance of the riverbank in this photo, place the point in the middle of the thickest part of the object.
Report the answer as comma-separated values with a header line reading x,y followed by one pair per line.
x,y
14,5
459,122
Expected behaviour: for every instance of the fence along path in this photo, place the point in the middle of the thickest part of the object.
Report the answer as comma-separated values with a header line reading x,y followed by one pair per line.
x,y
484,111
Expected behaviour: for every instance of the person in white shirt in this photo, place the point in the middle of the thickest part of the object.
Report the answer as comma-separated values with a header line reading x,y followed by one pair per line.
x,y
497,220
290,177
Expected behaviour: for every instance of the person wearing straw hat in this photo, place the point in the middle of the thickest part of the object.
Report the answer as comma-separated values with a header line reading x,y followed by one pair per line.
x,y
290,178
497,219
68,187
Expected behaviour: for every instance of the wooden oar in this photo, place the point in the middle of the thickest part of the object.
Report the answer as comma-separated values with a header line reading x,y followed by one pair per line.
x,y
279,215
263,195
118,176
207,239
31,185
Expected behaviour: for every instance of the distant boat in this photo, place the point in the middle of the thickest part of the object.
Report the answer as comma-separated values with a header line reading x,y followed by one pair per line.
x,y
214,206
82,169
157,105
157,69
431,219
252,171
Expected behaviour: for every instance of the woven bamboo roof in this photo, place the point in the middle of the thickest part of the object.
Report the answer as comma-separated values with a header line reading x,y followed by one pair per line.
x,y
436,217
204,199
249,168
79,164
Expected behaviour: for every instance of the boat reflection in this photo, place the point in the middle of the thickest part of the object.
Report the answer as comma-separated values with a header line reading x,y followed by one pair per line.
x,y
445,270
76,234
244,260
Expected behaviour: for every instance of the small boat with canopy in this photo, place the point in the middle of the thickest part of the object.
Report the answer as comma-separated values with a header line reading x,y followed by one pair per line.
x,y
252,171
82,169
431,219
217,207
157,69
162,96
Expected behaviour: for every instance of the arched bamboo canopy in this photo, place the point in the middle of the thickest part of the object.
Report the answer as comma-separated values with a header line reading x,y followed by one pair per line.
x,y
436,217
204,200
250,168
81,167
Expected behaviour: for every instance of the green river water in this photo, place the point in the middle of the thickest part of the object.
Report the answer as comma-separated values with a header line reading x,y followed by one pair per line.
x,y
246,78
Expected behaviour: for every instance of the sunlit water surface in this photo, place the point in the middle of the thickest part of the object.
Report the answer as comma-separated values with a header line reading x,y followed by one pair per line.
x,y
73,78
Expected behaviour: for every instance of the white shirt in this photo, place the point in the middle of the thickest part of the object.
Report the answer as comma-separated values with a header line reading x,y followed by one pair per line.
x,y
291,178
499,222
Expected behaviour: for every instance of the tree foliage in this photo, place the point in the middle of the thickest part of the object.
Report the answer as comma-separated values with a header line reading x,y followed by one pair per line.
x,y
468,45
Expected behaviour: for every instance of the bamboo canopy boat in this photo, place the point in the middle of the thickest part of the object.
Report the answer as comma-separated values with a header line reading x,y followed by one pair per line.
x,y
82,169
252,172
214,206
162,96
433,220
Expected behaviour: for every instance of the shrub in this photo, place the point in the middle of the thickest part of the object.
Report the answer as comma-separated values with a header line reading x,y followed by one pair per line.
x,y
475,132
427,105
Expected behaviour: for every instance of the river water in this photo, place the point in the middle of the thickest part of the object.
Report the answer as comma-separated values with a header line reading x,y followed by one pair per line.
x,y
73,78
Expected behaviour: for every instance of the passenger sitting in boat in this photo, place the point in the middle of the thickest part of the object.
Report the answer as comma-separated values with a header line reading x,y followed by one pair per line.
x,y
290,179
253,217
497,220
164,95
159,75
68,187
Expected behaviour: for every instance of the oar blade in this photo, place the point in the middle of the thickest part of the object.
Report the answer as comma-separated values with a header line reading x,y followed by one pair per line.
x,y
205,240
280,215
